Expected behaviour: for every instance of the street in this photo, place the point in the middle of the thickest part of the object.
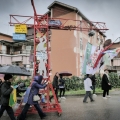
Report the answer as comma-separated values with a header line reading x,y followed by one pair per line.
x,y
74,109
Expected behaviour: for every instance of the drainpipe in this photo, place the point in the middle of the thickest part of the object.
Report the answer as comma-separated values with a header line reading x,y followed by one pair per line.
x,y
51,12
77,46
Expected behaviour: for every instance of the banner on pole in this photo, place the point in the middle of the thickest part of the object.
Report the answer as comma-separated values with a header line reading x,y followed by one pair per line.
x,y
91,54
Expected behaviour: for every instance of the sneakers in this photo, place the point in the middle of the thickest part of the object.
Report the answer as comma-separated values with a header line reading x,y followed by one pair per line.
x,y
94,94
104,98
63,97
108,96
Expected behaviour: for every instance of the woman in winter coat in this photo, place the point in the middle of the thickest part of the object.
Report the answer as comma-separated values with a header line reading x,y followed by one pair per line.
x,y
6,90
105,84
36,85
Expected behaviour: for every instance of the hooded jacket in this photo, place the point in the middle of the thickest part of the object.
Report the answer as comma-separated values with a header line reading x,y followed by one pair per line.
x,y
87,84
36,85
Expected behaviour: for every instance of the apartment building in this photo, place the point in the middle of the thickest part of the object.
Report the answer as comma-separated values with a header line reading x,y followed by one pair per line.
x,y
14,52
115,62
68,47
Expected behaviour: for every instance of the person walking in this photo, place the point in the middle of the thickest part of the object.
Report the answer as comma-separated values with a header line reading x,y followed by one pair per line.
x,y
0,91
55,85
21,88
6,90
105,84
0,86
36,85
62,87
93,78
88,88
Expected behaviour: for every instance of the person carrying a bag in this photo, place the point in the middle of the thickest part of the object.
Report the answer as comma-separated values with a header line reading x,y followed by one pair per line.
x,y
6,90
36,85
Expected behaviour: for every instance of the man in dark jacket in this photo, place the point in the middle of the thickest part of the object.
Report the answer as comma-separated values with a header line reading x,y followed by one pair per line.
x,y
6,90
0,86
55,85
0,90
21,88
93,78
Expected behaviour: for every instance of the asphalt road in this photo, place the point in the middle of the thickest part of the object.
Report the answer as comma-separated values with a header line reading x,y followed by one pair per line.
x,y
74,109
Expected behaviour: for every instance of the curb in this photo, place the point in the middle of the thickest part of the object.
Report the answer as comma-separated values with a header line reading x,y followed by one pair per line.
x,y
81,94
112,92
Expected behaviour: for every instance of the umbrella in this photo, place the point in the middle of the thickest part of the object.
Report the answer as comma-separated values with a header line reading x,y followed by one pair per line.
x,y
65,73
25,71
14,70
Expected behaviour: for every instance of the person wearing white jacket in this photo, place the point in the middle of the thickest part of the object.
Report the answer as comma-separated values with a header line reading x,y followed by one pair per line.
x,y
88,88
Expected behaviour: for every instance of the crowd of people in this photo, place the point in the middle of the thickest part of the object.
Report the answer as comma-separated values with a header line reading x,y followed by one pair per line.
x,y
58,86
89,85
6,89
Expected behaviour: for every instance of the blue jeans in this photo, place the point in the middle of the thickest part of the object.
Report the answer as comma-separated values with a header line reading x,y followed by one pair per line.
x,y
24,111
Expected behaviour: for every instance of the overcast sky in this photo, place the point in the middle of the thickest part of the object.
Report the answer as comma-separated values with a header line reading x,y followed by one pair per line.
x,y
107,11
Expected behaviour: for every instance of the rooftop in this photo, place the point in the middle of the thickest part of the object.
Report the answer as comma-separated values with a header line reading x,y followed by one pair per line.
x,y
69,7
5,34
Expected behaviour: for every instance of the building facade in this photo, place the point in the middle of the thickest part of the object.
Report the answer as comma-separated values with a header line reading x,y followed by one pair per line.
x,y
68,47
12,52
115,62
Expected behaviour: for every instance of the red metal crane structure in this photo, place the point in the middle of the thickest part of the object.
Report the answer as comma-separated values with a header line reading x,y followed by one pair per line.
x,y
41,23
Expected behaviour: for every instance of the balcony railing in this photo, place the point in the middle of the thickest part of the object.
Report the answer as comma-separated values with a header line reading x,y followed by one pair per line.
x,y
113,67
115,64
27,52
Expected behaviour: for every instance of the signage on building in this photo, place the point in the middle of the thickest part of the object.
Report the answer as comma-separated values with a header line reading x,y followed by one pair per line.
x,y
41,55
19,28
19,37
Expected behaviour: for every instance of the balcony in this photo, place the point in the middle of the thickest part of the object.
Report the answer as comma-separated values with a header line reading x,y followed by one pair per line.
x,y
17,56
114,68
26,52
115,64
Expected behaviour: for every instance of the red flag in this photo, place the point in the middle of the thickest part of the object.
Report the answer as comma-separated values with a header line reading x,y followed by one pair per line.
x,y
101,54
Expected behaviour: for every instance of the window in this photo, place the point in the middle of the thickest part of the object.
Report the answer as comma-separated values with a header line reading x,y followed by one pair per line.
x,y
81,44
